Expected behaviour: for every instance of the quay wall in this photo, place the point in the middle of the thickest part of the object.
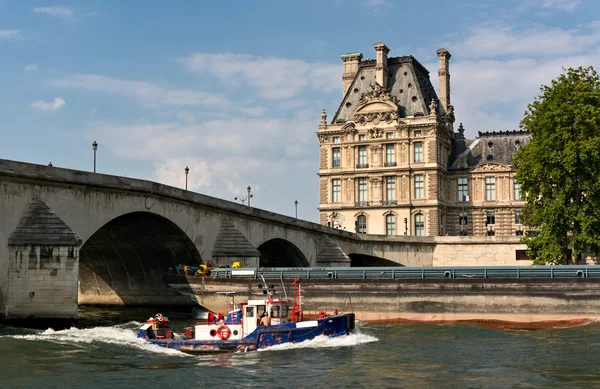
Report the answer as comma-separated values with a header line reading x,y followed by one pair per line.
x,y
512,303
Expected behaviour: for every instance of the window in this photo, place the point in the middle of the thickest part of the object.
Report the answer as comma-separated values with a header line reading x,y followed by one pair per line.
x,y
390,225
361,224
389,155
463,189
419,186
390,189
463,219
490,188
418,149
362,189
388,135
336,159
518,217
491,218
362,156
419,224
361,137
336,139
519,233
417,133
335,190
517,187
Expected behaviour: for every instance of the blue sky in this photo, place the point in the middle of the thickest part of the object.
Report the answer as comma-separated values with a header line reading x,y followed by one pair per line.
x,y
234,89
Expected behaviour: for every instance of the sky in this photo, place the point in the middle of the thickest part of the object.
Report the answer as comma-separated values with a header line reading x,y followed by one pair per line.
x,y
234,89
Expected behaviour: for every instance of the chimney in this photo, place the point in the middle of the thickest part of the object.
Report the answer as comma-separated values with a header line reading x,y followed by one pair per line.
x,y
444,77
381,69
351,65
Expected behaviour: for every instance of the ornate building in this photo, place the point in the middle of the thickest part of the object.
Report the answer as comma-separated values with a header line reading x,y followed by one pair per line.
x,y
391,162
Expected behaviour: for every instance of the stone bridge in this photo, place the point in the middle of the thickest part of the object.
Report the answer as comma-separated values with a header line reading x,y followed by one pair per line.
x,y
69,237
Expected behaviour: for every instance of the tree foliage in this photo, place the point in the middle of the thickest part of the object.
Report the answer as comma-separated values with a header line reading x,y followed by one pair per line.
x,y
559,170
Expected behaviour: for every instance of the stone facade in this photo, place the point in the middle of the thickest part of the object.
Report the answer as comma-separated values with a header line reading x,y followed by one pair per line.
x,y
392,164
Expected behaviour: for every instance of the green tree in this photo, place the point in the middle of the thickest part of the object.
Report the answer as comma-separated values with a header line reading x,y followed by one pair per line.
x,y
559,170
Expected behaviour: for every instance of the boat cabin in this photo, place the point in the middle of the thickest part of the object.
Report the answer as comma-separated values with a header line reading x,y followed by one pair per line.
x,y
243,321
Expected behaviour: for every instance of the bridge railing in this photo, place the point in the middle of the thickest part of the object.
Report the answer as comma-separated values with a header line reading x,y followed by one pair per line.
x,y
569,271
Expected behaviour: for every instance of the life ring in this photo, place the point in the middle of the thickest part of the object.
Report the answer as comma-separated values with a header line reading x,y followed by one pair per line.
x,y
224,332
159,317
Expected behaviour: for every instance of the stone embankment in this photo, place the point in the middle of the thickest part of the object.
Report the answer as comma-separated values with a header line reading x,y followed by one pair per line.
x,y
496,303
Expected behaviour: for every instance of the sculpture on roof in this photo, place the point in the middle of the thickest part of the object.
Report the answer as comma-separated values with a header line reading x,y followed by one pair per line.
x,y
450,113
433,107
323,117
377,93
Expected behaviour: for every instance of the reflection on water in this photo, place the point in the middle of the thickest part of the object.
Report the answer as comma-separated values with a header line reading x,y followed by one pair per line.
x,y
103,351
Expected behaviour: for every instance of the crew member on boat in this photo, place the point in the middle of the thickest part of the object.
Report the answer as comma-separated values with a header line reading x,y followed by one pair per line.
x,y
265,320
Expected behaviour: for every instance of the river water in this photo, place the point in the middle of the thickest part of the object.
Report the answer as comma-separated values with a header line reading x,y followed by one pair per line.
x,y
102,352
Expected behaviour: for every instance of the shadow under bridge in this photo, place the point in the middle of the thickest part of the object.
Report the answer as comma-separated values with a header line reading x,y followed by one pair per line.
x,y
281,253
127,257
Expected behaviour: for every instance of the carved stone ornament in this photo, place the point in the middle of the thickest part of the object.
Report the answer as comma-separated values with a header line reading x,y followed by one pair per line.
x,y
490,167
375,133
323,139
377,93
323,117
376,117
450,113
433,107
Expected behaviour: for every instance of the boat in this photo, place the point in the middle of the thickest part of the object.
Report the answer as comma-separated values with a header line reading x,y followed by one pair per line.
x,y
255,324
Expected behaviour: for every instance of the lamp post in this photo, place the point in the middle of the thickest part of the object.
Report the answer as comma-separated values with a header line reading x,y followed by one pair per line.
x,y
187,170
95,147
296,204
248,196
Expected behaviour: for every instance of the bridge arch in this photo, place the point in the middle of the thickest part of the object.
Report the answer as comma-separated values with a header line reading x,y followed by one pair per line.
x,y
126,258
364,260
281,253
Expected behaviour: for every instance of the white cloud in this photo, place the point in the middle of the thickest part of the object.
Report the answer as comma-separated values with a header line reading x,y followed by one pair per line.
x,y
59,11
376,3
497,72
275,78
493,40
10,34
31,68
57,103
147,93
559,5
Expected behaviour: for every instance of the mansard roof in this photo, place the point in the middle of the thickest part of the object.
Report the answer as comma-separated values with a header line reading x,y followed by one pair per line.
x,y
408,81
493,146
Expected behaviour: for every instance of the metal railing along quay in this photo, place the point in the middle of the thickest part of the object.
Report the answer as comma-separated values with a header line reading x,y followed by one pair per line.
x,y
493,272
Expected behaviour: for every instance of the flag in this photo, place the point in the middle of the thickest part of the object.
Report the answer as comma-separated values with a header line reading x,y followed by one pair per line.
x,y
467,198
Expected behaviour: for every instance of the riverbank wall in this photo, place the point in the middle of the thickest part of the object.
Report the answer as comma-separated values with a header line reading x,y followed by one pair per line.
x,y
499,303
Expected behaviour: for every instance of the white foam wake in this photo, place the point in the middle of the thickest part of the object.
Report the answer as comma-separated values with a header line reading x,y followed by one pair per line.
x,y
118,335
353,339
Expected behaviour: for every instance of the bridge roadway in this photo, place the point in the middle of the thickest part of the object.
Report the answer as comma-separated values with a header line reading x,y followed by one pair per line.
x,y
69,237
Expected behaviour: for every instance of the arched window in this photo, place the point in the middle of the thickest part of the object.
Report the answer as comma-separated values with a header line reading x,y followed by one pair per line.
x,y
390,224
361,224
419,224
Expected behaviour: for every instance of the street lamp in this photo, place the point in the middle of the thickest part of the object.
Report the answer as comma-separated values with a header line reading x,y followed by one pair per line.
x,y
296,204
187,170
248,196
95,147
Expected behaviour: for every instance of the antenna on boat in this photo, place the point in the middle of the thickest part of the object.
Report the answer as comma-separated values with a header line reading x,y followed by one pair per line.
x,y
266,289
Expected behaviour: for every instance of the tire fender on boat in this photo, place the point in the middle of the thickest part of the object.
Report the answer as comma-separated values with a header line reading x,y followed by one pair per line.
x,y
224,332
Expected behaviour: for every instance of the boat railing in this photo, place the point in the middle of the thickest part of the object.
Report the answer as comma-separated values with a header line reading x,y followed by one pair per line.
x,y
477,272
